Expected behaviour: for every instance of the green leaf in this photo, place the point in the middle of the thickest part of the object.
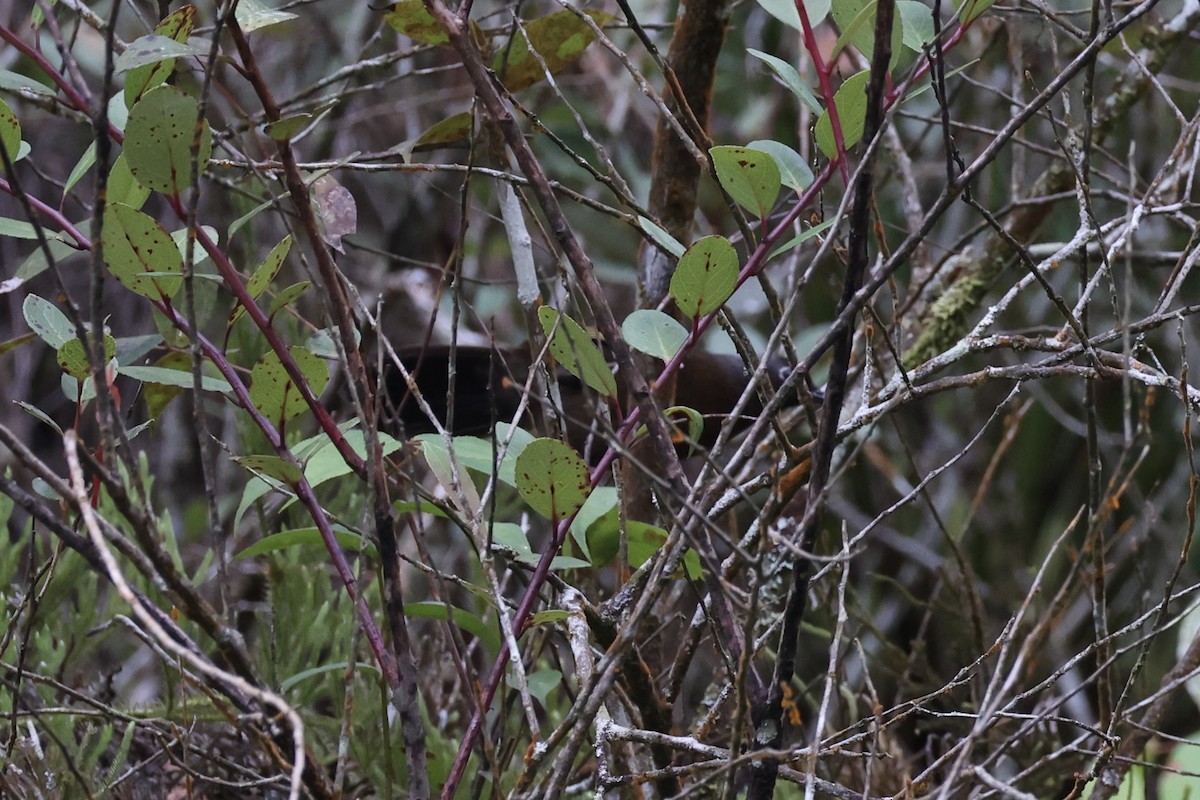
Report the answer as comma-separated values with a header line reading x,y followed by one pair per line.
x,y
263,276
791,79
540,682
166,376
1184,763
706,276
971,10
85,163
37,263
118,112
274,393
154,48
559,38
139,252
803,237
17,84
851,103
241,221
44,319
326,463
159,395
339,667
856,19
665,241
476,453
601,501
418,507
453,130
750,176
549,616
10,130
151,71
793,172
450,472
654,333
283,129
199,254
785,11
158,140
509,537
254,15
39,415
287,295
575,351
349,541
518,439
411,18
918,24
643,541
463,619
73,357
552,478
17,229
271,466
9,345
646,540
604,538
1133,786
118,759
123,187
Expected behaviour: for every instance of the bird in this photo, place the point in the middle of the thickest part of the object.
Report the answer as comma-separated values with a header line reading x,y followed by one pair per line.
x,y
489,384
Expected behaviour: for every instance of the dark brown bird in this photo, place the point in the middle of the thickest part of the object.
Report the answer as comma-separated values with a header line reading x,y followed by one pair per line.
x,y
489,385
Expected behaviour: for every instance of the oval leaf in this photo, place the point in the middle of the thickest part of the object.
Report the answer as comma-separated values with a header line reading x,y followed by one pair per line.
x,y
411,18
785,11
750,176
856,19
794,173
274,394
180,377
10,131
918,23
158,140
176,27
271,466
253,15
654,333
123,187
153,48
661,237
287,295
73,357
140,254
552,478
471,623
791,79
559,38
706,276
263,276
851,103
575,351
450,132
44,319
970,10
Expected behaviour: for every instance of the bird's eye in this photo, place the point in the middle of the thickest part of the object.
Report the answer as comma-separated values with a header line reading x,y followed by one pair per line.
x,y
780,373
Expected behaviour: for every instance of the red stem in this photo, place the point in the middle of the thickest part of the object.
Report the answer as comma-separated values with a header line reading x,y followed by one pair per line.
x,y
835,122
